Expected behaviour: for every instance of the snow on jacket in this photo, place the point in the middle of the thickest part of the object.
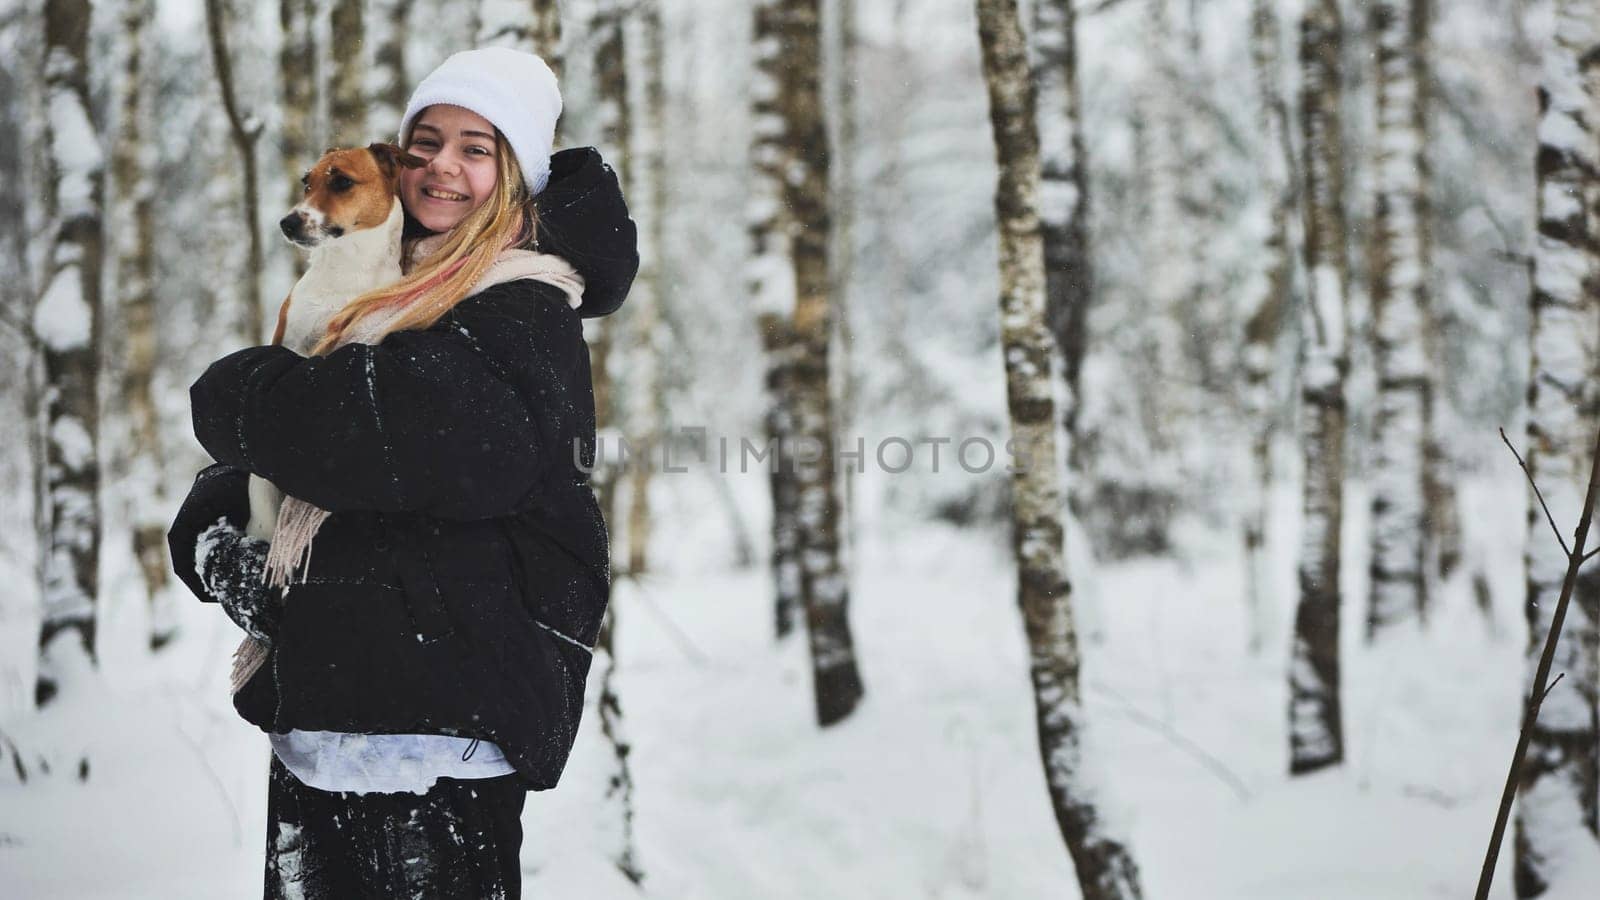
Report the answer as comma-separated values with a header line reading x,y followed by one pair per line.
x,y
458,586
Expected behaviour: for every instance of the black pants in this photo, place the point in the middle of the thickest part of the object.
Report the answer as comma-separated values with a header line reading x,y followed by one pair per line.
x,y
459,840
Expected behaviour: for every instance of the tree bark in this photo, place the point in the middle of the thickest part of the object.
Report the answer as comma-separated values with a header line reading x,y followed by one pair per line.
x,y
1064,208
1400,303
614,126
243,132
1269,307
66,320
1439,472
388,84
142,461
648,198
616,129
1105,868
824,581
845,146
347,96
1316,730
533,26
770,279
1556,815
297,72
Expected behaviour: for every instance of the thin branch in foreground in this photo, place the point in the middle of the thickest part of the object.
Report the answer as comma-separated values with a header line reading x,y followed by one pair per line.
x,y
1548,518
1552,686
1575,558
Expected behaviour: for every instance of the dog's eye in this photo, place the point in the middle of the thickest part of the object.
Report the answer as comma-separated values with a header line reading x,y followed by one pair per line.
x,y
341,183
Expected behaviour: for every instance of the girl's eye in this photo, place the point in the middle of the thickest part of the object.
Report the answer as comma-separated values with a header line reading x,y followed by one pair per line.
x,y
482,151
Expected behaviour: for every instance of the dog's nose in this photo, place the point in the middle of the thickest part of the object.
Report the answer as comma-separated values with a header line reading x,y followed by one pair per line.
x,y
292,224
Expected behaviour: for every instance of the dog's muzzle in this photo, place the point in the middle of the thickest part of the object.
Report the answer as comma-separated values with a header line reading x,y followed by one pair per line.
x,y
294,227
307,228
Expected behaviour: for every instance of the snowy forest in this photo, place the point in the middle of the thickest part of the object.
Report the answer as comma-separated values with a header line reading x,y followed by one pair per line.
x,y
1050,448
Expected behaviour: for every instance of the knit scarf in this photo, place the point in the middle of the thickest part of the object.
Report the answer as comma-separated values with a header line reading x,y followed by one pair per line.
x,y
298,521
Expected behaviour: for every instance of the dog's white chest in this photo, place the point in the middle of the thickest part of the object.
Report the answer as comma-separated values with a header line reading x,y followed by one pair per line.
x,y
315,300
340,271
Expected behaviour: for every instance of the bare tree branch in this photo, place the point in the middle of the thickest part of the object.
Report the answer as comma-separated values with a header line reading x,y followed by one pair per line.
x,y
1552,686
1549,518
1575,558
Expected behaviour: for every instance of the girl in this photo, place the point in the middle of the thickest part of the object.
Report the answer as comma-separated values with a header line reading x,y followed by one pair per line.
x,y
427,665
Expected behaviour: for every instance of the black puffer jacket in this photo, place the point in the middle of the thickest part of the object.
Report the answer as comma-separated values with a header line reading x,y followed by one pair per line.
x,y
459,584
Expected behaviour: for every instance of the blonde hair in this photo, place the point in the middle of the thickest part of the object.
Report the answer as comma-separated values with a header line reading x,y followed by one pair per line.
x,y
505,220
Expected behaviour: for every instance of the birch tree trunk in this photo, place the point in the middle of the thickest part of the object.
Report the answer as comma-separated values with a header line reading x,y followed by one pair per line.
x,y
388,85
66,320
243,130
533,26
845,147
1556,813
824,582
1105,868
647,193
616,127
619,780
1266,317
1316,729
1400,304
297,72
347,100
1063,206
1442,507
770,279
143,461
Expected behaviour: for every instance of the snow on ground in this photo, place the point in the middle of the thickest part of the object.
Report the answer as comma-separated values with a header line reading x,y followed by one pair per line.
x,y
932,789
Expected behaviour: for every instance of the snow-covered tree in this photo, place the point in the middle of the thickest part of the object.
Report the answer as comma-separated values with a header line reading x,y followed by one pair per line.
x,y
788,277
297,85
1268,310
1556,812
1400,267
388,83
770,280
1063,201
613,125
530,25
66,320
1106,870
615,122
648,204
1316,728
244,130
347,96
141,463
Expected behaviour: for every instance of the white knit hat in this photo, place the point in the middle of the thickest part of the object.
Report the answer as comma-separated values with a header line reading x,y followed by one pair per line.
x,y
515,91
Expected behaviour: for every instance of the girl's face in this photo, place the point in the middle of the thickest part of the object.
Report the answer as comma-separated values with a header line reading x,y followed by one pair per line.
x,y
460,149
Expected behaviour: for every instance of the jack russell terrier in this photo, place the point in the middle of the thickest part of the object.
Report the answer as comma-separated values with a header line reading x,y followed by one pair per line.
x,y
350,220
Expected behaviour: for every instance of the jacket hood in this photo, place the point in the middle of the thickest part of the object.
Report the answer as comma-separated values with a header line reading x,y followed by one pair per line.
x,y
584,220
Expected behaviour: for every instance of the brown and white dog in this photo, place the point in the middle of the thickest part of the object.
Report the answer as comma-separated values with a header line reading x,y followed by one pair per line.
x,y
350,220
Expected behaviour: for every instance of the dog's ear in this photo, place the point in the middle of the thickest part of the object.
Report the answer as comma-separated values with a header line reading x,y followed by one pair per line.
x,y
391,159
